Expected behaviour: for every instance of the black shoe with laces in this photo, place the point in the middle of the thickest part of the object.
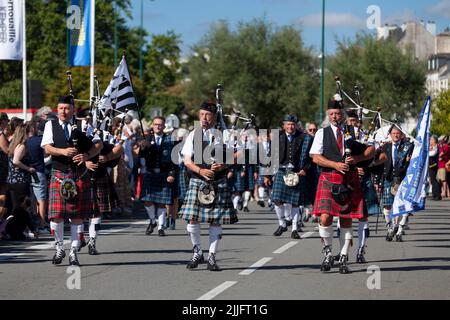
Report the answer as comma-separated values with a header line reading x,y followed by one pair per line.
x,y
82,244
343,267
60,254
73,259
150,228
161,233
92,247
196,259
246,209
288,222
280,231
398,238
360,258
261,203
390,234
212,264
295,235
240,205
328,260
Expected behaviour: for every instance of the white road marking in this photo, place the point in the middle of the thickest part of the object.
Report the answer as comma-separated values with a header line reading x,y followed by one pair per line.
x,y
255,266
307,234
217,290
285,247
6,256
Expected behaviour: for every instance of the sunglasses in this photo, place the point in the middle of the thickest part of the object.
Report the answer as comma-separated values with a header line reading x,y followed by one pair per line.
x,y
312,130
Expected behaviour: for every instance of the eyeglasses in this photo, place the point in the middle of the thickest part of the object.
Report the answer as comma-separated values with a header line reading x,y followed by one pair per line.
x,y
312,130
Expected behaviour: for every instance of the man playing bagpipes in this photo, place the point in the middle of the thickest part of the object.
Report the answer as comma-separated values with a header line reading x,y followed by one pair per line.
x,y
339,190
70,194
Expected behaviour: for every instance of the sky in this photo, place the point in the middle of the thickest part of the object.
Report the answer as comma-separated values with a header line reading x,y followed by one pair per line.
x,y
191,19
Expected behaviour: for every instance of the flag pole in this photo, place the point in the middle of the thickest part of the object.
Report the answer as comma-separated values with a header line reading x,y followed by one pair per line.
x,y
24,61
92,32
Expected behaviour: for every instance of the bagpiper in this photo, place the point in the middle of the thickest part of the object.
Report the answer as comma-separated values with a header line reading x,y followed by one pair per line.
x,y
208,199
70,194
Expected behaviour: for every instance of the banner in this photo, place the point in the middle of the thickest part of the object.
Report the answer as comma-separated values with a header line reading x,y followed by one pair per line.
x,y
79,25
11,28
411,194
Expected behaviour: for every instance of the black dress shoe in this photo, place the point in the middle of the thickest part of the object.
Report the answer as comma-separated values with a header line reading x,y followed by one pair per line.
x,y
212,264
195,261
150,228
295,235
246,209
390,235
82,244
161,233
59,256
240,205
343,268
327,261
73,259
92,250
288,222
398,238
360,258
261,203
280,231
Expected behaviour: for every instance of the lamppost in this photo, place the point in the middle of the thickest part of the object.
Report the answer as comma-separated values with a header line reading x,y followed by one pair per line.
x,y
322,62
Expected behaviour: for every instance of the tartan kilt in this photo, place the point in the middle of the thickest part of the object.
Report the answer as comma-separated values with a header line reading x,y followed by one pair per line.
x,y
106,196
237,183
249,179
156,189
260,180
371,204
325,204
283,193
183,182
222,212
387,198
80,207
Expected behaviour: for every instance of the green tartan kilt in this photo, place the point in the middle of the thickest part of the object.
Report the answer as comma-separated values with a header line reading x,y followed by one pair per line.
x,y
220,212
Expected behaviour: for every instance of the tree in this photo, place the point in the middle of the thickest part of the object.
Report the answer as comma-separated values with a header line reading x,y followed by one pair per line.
x,y
387,78
264,69
440,112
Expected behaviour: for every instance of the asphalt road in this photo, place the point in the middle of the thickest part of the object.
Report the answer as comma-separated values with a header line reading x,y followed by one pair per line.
x,y
255,264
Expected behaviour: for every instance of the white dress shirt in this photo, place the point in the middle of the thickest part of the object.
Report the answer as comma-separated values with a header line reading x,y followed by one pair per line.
x,y
317,146
47,137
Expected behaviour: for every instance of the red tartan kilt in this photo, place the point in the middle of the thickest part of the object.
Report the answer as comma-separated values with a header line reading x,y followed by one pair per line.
x,y
80,207
325,204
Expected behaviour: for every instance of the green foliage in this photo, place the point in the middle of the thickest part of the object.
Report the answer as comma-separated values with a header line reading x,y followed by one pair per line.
x,y
265,70
387,78
440,113
8,94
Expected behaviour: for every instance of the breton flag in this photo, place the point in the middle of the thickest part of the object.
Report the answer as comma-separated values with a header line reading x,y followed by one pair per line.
x,y
11,29
411,194
119,94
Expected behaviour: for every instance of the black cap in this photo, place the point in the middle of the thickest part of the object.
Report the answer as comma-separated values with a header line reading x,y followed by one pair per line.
x,y
209,106
336,102
352,114
66,100
290,118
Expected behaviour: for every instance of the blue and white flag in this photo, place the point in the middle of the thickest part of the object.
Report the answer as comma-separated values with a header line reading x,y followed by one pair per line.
x,y
411,194
79,25
11,28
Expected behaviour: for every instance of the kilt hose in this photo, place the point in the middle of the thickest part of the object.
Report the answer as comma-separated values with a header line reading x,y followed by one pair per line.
x,y
221,211
156,189
105,196
79,208
387,198
285,194
371,203
325,204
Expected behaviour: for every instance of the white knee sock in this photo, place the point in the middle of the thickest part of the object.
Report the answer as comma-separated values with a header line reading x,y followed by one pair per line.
x,y
300,212
150,212
386,215
346,235
94,225
236,199
326,233
74,236
288,211
194,233
363,227
261,193
279,210
161,217
402,224
58,231
215,234
80,231
247,195
295,216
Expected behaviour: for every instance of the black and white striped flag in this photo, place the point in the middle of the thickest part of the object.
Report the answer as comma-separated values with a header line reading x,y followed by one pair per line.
x,y
119,94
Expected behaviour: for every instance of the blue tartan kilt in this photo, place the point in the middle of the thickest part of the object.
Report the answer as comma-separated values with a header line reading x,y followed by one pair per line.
x,y
183,182
221,211
236,183
387,198
284,194
156,189
249,179
371,204
261,175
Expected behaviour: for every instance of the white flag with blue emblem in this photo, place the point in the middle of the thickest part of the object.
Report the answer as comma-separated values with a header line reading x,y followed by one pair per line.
x,y
411,194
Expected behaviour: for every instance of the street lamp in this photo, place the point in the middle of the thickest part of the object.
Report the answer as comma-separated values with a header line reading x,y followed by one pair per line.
x,y
322,62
